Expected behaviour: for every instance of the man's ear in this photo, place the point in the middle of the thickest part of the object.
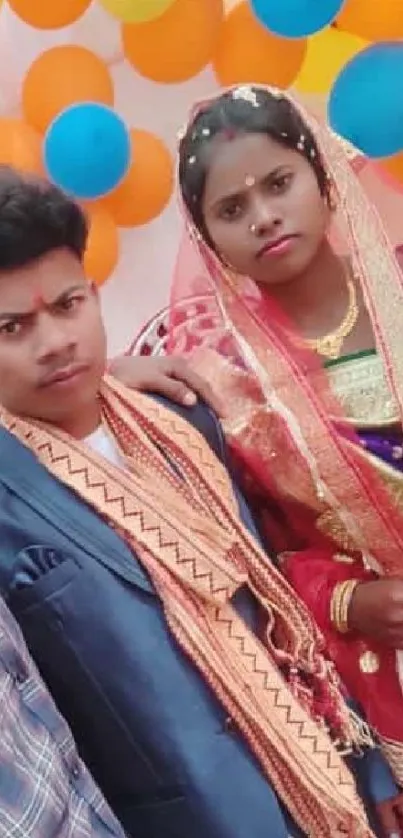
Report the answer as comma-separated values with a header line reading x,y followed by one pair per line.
x,y
94,289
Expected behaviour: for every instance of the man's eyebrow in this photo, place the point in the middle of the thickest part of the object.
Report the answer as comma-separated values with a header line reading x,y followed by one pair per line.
x,y
25,315
14,315
66,293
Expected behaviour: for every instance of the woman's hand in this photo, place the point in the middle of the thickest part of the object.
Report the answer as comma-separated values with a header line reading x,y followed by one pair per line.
x,y
376,610
390,814
170,377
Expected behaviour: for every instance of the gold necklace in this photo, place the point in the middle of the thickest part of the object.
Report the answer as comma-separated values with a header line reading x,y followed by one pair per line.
x,y
330,345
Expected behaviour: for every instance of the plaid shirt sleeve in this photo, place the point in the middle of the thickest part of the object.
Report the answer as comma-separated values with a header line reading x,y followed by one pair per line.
x,y
45,790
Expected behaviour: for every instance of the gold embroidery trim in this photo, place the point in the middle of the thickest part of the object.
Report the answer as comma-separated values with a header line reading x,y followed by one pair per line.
x,y
361,388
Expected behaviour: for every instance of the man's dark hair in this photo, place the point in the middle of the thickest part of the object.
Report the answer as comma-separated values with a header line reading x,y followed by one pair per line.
x,y
36,218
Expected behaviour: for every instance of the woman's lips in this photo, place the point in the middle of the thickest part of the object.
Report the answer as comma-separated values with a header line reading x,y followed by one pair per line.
x,y
276,248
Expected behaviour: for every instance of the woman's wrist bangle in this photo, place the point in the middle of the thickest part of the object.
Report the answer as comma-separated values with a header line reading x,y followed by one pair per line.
x,y
340,604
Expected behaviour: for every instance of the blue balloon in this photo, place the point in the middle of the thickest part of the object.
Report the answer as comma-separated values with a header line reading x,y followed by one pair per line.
x,y
296,18
366,100
87,150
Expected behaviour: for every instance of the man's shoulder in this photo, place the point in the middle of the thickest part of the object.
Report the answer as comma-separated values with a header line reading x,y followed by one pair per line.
x,y
202,418
17,461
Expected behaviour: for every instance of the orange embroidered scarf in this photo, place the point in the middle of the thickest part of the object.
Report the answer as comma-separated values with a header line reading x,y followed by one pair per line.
x,y
188,536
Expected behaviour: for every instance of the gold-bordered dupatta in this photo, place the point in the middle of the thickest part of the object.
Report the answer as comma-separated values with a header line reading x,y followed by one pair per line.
x,y
282,415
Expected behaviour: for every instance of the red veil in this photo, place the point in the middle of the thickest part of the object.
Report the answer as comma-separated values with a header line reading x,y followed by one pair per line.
x,y
284,424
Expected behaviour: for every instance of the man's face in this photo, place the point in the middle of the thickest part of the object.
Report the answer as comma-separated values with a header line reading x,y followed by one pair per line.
x,y
52,339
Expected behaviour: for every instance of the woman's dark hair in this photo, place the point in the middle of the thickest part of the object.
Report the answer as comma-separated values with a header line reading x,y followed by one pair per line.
x,y
35,218
244,110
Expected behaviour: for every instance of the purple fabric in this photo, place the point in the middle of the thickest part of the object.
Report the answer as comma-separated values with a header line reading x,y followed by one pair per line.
x,y
387,446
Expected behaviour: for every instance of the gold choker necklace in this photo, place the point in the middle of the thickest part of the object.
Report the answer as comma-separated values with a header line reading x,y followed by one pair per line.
x,y
330,345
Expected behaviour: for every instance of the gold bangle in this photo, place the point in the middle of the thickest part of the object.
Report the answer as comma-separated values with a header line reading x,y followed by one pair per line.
x,y
340,604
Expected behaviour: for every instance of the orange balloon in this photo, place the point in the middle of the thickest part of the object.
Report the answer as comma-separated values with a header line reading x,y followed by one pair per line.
x,y
20,146
60,77
392,169
49,14
148,185
102,253
375,20
248,52
178,44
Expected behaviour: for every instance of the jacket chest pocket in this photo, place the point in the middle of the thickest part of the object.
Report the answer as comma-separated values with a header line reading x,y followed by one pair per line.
x,y
76,616
39,573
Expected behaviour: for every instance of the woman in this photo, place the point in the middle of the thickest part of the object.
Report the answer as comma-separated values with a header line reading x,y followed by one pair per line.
x,y
301,334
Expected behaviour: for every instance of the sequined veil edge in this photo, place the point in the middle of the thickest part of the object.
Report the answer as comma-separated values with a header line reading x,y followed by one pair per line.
x,y
296,754
287,416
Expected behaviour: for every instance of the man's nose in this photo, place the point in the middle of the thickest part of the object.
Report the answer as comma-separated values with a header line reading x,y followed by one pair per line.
x,y
54,337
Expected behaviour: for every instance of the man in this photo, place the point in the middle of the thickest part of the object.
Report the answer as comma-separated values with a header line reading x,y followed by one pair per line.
x,y
49,792
128,559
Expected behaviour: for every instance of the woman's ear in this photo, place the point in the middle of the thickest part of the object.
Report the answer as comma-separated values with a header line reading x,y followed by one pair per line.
x,y
331,194
399,255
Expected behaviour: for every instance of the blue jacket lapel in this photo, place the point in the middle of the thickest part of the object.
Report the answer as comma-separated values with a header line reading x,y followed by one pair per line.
x,y
27,479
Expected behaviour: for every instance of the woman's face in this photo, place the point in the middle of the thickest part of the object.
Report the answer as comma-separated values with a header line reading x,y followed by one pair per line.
x,y
262,208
